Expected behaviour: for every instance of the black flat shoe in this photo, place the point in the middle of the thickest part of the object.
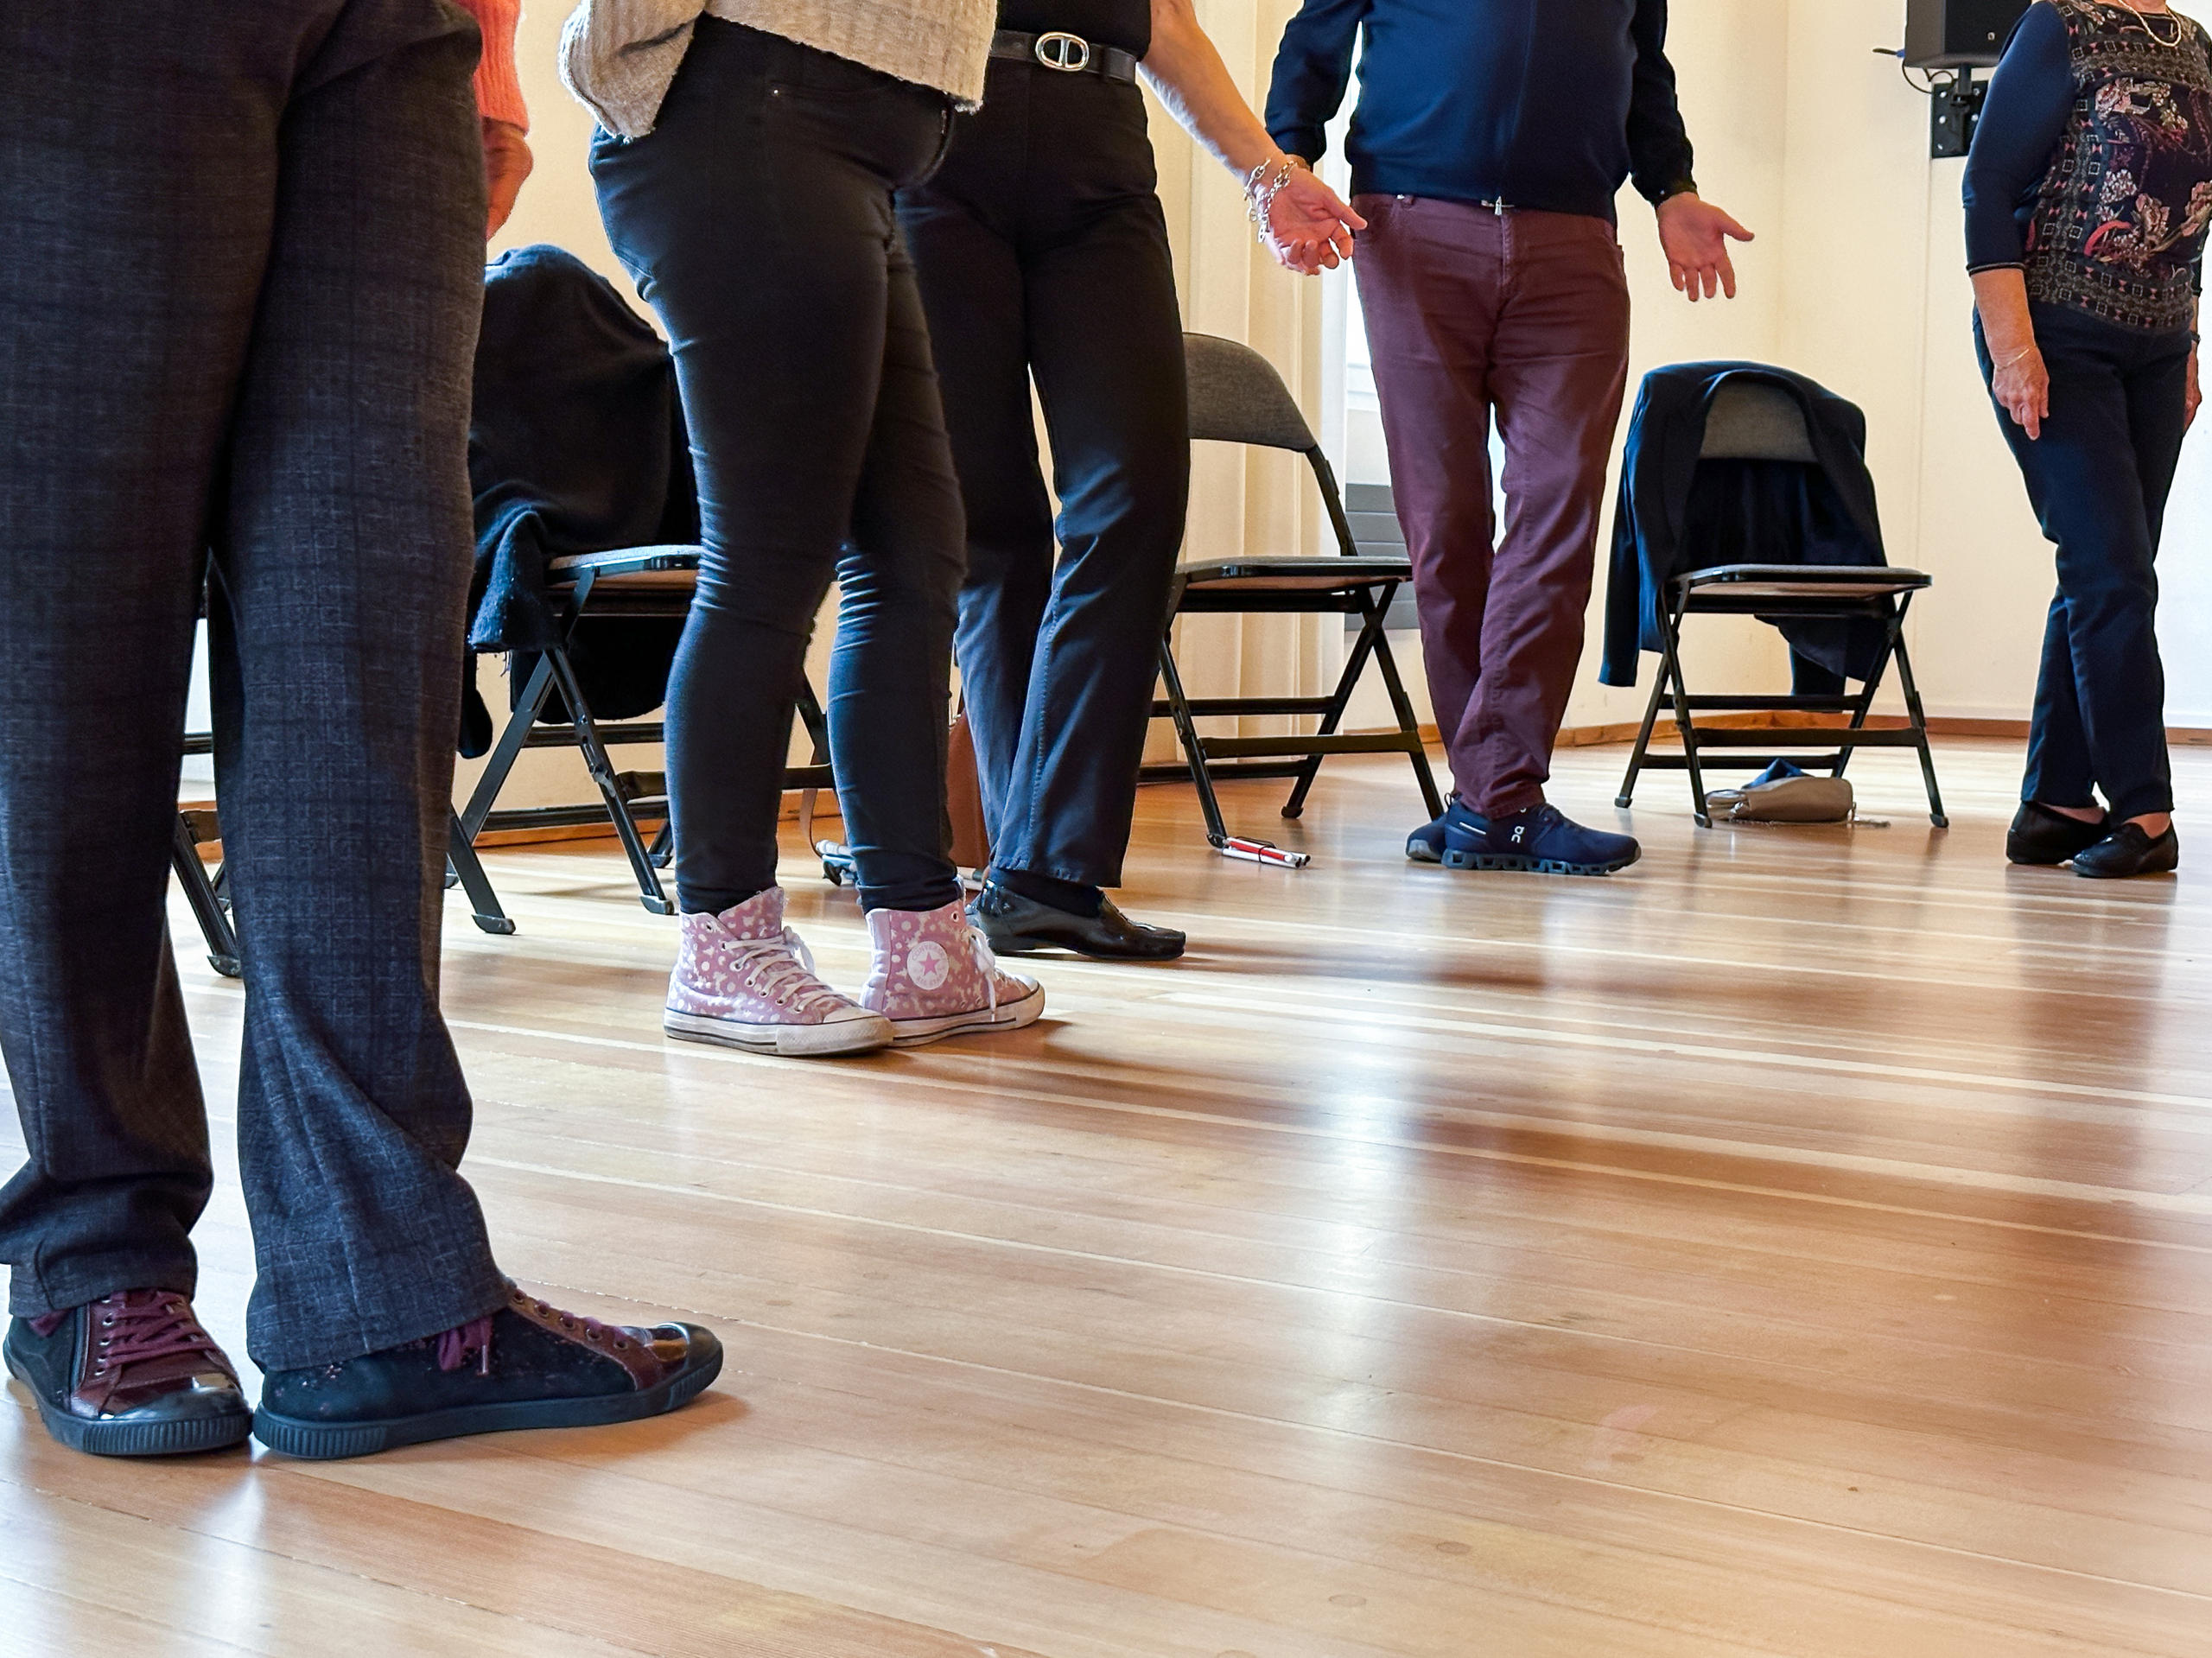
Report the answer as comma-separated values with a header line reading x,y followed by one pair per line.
x,y
524,1365
2129,851
131,1375
1020,926
2040,835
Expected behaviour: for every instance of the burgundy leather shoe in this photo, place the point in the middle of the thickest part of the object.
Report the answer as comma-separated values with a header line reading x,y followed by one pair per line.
x,y
524,1364
131,1375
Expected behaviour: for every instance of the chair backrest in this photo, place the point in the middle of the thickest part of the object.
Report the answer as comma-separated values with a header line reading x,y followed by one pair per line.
x,y
1237,396
1755,420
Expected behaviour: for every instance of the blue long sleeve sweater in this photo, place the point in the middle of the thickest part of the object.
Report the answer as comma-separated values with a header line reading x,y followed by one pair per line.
x,y
1548,105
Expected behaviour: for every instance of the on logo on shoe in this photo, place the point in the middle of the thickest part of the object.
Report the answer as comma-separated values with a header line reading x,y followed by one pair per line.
x,y
928,966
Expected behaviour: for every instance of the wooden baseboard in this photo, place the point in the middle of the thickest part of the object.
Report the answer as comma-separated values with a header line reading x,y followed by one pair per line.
x,y
1570,737
1783,720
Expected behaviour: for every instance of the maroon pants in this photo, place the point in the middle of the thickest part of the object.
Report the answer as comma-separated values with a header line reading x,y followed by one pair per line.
x,y
1470,310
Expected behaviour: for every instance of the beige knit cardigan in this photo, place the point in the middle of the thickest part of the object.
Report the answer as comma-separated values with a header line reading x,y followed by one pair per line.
x,y
618,56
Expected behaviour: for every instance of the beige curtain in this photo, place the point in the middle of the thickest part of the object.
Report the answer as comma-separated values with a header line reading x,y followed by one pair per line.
x,y
1245,501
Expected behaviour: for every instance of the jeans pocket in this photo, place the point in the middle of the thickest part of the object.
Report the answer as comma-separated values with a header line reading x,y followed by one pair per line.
x,y
937,156
823,77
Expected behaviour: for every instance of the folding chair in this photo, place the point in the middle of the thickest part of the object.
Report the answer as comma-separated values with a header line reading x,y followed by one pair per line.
x,y
208,895
633,582
1237,396
1754,420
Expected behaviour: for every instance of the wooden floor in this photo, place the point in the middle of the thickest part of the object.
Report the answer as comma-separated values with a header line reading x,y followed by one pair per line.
x,y
1800,1244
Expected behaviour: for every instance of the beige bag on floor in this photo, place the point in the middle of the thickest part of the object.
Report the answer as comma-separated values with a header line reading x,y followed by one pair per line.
x,y
1786,800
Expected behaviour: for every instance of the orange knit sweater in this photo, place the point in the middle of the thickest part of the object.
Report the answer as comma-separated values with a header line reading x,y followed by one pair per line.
x,y
499,89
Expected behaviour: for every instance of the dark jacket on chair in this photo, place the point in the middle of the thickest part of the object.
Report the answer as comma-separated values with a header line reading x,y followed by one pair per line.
x,y
576,444
1678,512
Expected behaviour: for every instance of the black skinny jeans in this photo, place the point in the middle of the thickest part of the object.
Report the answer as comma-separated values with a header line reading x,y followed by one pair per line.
x,y
1042,250
2098,478
757,219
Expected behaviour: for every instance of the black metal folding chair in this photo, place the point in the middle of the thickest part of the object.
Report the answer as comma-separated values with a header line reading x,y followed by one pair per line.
x,y
208,895
1756,420
633,581
1237,396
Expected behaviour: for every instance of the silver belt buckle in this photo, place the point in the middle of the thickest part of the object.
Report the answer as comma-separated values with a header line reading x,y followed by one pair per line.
x,y
1069,53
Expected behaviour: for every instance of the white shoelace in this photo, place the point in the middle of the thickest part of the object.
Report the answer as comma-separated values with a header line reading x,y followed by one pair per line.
x,y
987,960
782,970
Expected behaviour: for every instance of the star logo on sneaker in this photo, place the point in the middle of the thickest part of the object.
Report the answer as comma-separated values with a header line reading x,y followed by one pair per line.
x,y
928,966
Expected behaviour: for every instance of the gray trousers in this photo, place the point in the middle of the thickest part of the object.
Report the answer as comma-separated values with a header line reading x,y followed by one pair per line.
x,y
238,299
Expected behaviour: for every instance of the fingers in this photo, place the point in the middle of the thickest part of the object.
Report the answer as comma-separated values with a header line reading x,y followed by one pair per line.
x,y
1728,273
507,163
1730,228
1337,208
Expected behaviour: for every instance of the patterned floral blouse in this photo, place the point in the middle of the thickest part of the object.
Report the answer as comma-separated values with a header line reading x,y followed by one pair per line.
x,y
2092,168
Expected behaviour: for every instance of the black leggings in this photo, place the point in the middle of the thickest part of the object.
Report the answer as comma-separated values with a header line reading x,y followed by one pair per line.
x,y
757,219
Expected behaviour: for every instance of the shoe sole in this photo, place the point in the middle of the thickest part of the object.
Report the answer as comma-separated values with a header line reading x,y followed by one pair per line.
x,y
2126,874
1041,946
1421,851
177,1439
334,1441
1007,1016
788,1041
2028,859
1523,862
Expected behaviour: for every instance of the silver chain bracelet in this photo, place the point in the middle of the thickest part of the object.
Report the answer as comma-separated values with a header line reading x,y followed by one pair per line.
x,y
1261,191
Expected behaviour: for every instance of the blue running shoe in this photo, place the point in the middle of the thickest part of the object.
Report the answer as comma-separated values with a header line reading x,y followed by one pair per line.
x,y
1543,839
1426,844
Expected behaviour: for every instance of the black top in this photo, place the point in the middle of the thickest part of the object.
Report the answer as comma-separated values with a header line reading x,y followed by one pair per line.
x,y
1125,24
1543,104
2092,167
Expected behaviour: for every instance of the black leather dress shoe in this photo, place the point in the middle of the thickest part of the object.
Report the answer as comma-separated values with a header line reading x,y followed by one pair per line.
x,y
523,1365
2040,835
2129,851
131,1375
1020,926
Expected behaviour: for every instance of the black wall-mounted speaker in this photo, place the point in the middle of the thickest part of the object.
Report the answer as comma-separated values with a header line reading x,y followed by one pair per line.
x,y
1958,33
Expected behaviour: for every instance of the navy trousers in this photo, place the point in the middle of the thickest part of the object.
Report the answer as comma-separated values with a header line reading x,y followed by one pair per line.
x,y
757,219
1042,250
236,316
2098,478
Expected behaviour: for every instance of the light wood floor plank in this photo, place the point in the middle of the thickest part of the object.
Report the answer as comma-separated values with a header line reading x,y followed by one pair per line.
x,y
1799,1246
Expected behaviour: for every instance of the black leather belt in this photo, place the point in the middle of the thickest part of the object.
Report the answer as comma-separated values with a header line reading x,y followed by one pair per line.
x,y
1066,54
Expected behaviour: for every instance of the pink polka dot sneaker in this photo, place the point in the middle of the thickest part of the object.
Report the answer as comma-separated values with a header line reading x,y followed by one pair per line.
x,y
935,976
744,979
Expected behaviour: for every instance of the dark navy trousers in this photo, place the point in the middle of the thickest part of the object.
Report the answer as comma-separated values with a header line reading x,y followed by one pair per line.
x,y
1042,250
2098,478
238,313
